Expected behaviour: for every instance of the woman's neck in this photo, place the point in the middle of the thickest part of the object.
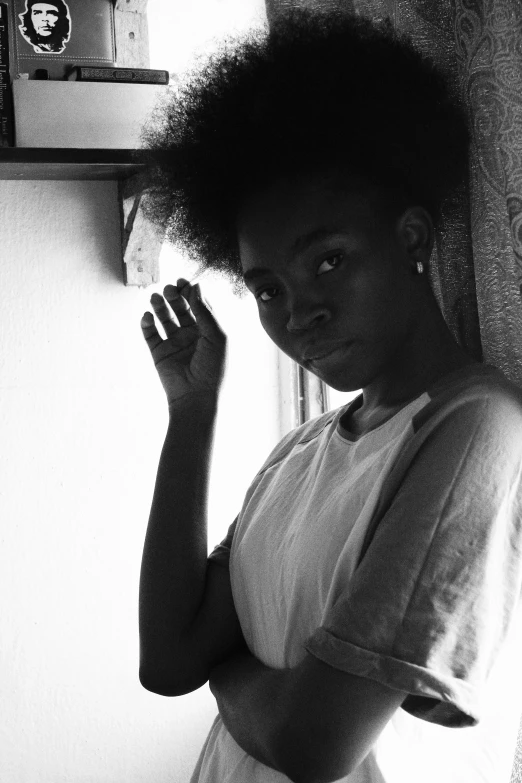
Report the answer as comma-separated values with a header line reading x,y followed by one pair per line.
x,y
429,355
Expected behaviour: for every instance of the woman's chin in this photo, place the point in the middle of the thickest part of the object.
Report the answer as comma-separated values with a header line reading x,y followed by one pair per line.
x,y
341,381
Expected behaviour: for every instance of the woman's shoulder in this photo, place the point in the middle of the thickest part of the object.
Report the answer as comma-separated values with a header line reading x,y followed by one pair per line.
x,y
479,394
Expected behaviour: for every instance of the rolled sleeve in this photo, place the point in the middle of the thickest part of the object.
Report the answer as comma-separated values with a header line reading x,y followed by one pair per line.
x,y
438,588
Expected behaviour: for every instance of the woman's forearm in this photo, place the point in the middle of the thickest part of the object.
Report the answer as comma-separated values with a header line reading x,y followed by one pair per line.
x,y
251,701
174,561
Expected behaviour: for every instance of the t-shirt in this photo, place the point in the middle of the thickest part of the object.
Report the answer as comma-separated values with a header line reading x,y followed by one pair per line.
x,y
396,556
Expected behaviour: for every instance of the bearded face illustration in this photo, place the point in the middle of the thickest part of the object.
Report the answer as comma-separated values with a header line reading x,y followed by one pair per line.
x,y
46,26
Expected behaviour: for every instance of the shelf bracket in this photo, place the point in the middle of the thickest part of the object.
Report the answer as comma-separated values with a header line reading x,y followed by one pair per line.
x,y
141,240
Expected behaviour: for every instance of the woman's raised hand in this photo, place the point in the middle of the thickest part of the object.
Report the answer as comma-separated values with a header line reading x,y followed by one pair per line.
x,y
191,360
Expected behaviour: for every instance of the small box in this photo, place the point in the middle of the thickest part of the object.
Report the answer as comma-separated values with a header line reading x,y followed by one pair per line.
x,y
82,115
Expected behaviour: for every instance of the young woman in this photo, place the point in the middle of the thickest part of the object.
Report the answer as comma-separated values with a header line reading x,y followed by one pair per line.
x,y
361,620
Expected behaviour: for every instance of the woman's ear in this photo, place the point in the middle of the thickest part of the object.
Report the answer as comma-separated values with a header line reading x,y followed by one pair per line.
x,y
416,234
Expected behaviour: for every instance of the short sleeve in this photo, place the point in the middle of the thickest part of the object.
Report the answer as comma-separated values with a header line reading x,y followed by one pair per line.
x,y
437,591
221,553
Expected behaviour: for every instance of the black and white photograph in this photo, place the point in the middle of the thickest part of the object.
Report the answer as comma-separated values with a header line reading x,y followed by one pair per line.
x,y
261,392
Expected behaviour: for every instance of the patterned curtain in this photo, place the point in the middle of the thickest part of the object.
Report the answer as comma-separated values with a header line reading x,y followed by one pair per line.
x,y
476,267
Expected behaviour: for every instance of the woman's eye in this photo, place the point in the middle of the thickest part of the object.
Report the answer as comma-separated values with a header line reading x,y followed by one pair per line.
x,y
330,263
267,294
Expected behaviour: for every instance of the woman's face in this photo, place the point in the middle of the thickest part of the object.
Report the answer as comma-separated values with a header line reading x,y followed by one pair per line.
x,y
336,289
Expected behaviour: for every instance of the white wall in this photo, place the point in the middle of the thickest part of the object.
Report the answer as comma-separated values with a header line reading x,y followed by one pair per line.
x,y
180,31
82,422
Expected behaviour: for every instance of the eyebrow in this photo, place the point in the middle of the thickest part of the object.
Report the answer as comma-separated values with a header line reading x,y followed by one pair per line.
x,y
298,246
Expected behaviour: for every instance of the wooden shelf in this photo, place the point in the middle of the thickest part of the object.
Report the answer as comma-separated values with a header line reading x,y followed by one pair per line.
x,y
142,242
24,163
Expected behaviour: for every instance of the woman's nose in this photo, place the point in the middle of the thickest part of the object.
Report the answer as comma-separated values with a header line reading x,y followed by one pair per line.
x,y
307,316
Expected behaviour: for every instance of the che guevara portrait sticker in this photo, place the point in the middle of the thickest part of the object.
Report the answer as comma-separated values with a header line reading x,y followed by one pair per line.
x,y
46,26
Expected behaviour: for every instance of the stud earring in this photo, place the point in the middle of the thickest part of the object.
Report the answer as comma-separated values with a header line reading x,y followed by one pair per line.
x,y
420,267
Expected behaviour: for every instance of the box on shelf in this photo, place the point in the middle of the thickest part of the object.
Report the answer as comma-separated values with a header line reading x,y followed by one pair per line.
x,y
82,115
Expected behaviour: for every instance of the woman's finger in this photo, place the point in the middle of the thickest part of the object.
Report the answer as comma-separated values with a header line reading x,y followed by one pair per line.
x,y
164,314
150,333
179,304
207,323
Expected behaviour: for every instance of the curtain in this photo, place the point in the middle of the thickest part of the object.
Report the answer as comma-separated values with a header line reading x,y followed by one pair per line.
x,y
476,268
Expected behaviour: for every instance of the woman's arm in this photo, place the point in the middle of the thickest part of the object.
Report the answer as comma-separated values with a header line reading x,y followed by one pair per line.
x,y
186,617
313,723
174,573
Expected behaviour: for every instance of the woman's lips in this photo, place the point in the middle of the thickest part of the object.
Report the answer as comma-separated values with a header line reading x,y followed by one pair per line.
x,y
330,356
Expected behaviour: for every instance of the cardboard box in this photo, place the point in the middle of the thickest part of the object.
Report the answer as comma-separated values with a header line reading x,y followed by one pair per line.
x,y
86,115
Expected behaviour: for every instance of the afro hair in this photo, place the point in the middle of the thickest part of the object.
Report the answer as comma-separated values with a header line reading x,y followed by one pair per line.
x,y
317,93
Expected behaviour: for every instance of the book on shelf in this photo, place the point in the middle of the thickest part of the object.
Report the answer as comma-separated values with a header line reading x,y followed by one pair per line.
x,y
86,73
6,99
